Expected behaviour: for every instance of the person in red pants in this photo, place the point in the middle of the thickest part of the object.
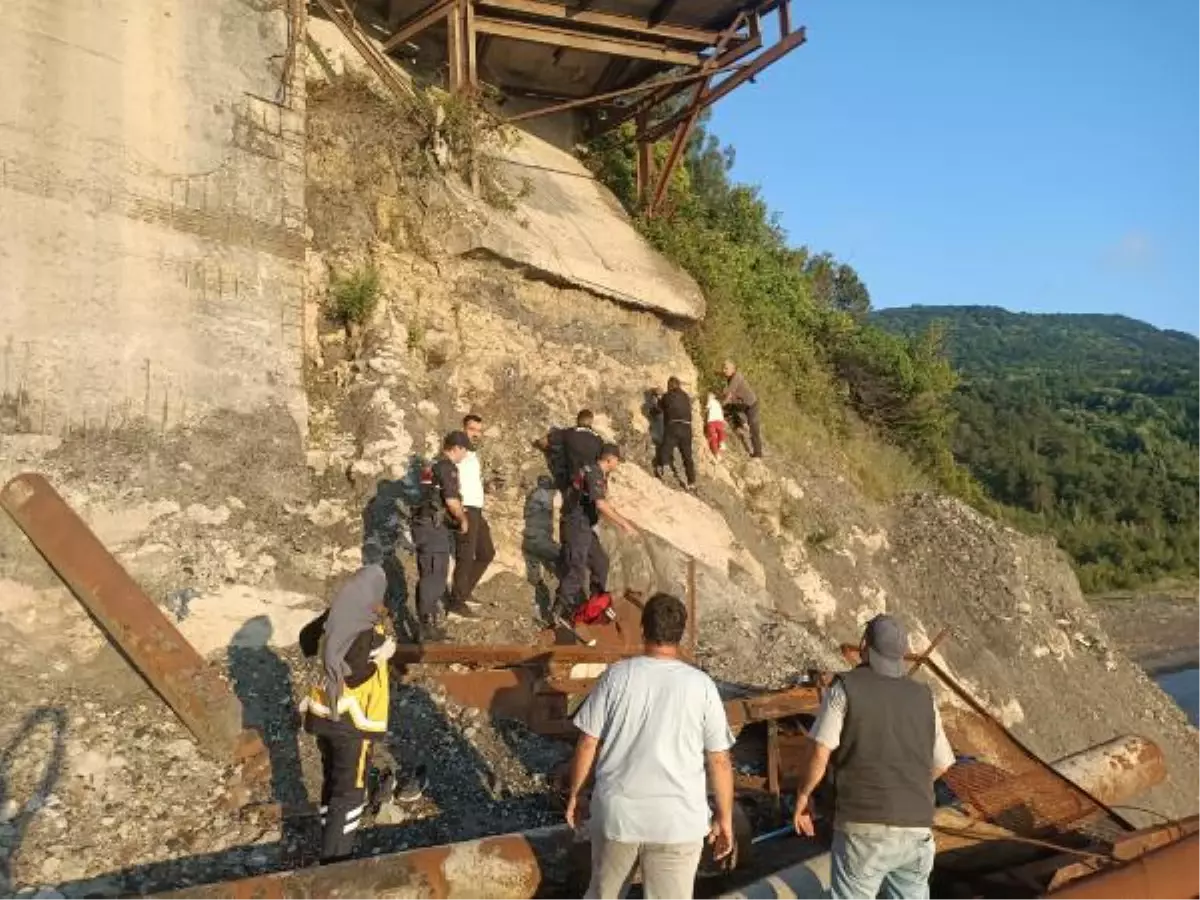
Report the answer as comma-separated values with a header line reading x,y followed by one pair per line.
x,y
714,425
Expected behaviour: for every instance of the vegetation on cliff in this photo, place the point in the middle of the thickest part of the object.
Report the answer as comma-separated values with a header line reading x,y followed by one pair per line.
x,y
794,319
1085,426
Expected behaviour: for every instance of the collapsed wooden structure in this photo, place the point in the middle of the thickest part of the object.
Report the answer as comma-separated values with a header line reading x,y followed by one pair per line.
x,y
657,63
1011,825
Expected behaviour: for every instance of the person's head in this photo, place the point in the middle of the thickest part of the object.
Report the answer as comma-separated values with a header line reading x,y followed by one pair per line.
x,y
674,384
473,427
884,643
455,446
610,458
584,418
664,620
728,368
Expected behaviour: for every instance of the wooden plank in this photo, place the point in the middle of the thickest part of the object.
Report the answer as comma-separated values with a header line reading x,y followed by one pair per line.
x,y
661,11
777,705
454,48
419,23
507,654
470,38
563,12
559,37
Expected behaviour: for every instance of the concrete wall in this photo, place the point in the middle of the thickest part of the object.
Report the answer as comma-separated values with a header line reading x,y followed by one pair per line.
x,y
151,210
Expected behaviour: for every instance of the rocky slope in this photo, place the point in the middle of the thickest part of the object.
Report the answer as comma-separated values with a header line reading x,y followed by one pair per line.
x,y
241,529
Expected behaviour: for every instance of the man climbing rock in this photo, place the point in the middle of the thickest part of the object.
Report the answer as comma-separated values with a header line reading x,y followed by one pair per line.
x,y
651,725
676,408
582,559
436,517
742,404
473,548
570,449
884,735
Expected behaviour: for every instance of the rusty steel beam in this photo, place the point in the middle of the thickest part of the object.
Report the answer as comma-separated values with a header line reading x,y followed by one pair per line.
x,y
1116,770
1172,871
377,61
563,37
426,18
519,865
507,654
772,54
573,14
131,620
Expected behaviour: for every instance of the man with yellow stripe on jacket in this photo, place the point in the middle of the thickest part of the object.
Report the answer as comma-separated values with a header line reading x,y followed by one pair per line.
x,y
347,709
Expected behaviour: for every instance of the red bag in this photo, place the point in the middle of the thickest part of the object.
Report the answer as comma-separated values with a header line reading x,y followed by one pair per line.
x,y
595,609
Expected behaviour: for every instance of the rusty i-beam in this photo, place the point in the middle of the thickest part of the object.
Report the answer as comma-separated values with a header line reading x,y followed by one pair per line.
x,y
131,620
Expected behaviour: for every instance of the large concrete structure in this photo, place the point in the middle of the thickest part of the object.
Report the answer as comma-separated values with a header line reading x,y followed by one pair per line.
x,y
151,210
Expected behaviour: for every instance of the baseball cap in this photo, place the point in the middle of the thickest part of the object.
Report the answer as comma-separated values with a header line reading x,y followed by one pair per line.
x,y
610,450
887,641
456,439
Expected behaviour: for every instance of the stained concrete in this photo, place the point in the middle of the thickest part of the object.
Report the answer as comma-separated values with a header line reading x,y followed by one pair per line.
x,y
152,188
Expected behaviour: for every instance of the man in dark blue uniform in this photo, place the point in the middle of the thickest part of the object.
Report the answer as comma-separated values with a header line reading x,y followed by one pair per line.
x,y
436,519
583,560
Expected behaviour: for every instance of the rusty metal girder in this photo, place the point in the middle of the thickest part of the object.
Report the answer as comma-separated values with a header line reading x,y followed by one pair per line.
x,y
131,620
519,865
1172,871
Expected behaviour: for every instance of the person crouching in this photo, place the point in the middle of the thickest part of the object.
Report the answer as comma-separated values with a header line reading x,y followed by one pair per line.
x,y
347,708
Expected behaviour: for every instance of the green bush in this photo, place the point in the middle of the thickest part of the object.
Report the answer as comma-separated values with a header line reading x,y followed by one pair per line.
x,y
354,297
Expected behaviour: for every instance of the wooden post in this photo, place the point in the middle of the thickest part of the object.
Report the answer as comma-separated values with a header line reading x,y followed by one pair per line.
x,y
773,767
469,39
454,48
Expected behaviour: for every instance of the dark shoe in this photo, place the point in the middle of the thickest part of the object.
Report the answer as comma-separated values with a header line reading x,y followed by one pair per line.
x,y
460,610
383,787
431,631
412,787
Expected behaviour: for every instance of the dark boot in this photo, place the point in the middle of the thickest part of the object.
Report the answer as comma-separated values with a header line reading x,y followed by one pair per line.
x,y
460,609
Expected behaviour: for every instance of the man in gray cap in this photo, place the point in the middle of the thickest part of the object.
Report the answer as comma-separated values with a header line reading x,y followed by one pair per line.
x,y
883,734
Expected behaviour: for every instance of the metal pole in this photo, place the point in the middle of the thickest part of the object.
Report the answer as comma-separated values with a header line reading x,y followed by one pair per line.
x,y
193,690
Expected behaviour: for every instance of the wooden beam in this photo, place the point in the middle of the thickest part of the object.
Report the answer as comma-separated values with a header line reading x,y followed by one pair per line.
x,y
418,23
583,16
744,74
469,38
454,48
785,18
576,102
559,37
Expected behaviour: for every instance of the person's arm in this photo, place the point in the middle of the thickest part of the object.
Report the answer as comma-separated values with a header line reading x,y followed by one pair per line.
x,y
581,768
609,512
943,753
824,738
452,495
720,776
457,513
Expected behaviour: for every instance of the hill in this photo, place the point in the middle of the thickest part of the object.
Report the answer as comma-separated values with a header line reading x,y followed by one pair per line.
x,y
1083,425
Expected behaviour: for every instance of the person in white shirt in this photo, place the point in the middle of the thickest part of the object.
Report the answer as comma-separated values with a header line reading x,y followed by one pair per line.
x,y
651,726
473,551
714,425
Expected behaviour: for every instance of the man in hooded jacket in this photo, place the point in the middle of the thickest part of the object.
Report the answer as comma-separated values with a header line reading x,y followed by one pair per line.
x,y
347,708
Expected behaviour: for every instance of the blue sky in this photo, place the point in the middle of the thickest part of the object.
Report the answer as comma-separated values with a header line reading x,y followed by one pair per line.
x,y
1039,156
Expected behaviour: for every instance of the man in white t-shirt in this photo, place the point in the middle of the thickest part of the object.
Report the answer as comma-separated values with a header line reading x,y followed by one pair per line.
x,y
651,725
473,548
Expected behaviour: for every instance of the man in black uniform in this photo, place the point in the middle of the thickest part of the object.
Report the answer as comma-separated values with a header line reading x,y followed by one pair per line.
x,y
676,408
583,558
570,449
436,518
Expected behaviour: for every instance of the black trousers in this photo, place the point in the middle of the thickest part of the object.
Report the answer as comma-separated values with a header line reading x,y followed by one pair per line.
x,y
345,758
749,414
473,553
432,544
677,435
582,561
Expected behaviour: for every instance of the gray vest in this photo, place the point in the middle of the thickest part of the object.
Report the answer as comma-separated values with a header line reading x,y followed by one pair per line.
x,y
883,766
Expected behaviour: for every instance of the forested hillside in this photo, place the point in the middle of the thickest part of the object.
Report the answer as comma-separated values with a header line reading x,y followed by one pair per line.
x,y
1086,425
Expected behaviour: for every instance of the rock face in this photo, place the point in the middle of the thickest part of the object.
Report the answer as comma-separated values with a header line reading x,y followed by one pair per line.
x,y
241,532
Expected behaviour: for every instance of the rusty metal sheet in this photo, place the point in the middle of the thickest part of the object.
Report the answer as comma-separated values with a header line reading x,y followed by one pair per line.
x,y
519,865
1172,871
194,691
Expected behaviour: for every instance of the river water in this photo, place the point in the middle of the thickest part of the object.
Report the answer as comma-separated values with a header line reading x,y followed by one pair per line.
x,y
1184,687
